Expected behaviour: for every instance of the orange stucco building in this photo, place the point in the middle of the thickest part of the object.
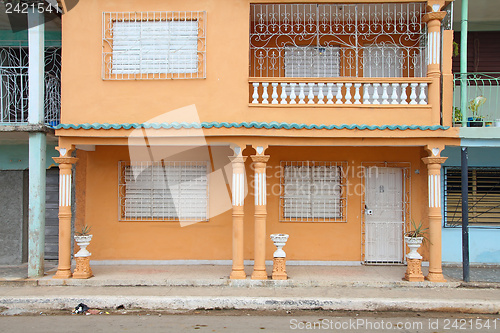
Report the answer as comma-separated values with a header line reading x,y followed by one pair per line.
x,y
193,130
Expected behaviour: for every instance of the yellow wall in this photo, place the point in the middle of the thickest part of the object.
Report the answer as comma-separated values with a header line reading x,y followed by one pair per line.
x,y
114,240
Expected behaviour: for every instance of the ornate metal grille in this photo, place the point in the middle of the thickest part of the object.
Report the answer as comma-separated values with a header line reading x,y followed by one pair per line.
x,y
370,40
313,191
163,191
154,45
14,85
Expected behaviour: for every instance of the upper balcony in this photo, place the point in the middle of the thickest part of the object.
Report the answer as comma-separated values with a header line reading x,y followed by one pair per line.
x,y
14,85
362,54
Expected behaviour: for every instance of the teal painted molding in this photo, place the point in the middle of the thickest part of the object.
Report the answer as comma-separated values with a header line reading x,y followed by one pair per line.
x,y
16,157
10,38
253,124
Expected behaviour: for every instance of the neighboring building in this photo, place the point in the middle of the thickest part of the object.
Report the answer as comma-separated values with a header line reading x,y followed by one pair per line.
x,y
26,140
481,136
337,106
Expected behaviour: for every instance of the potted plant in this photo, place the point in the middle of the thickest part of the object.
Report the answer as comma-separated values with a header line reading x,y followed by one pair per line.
x,y
457,116
414,238
83,238
476,120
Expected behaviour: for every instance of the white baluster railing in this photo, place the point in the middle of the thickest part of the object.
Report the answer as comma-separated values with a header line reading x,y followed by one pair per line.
x,y
340,93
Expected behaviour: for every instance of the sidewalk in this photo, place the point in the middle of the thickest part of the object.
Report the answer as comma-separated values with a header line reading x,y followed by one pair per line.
x,y
350,288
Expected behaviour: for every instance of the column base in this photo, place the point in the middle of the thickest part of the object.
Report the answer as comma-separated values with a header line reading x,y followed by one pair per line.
x,y
279,269
435,277
62,274
259,275
414,271
82,270
237,275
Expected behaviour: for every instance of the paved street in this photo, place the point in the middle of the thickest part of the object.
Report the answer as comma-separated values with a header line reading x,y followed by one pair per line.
x,y
244,321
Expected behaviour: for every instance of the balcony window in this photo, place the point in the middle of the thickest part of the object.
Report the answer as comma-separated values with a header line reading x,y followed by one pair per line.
x,y
14,85
158,45
340,40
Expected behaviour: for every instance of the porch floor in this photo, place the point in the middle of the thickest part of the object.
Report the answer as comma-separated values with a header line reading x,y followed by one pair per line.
x,y
218,275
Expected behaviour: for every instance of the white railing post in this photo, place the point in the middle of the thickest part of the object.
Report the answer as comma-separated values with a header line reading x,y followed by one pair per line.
x,y
301,93
375,93
357,95
366,93
310,96
321,96
329,95
338,97
394,96
413,94
265,95
293,96
255,95
283,93
423,96
348,93
404,96
275,93
385,96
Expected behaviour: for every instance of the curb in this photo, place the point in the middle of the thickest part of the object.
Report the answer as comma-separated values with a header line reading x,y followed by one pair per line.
x,y
252,303
248,283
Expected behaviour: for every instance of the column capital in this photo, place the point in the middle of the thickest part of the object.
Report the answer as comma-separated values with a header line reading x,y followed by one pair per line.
x,y
239,159
434,160
65,151
260,158
65,160
432,16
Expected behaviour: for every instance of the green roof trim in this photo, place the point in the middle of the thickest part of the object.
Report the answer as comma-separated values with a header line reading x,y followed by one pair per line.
x,y
253,124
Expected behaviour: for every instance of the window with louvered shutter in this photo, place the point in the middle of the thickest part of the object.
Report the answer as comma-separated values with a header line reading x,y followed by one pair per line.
x,y
312,61
313,191
163,191
483,194
155,47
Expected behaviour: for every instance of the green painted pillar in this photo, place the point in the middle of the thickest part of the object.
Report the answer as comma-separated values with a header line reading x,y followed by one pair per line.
x,y
463,61
37,145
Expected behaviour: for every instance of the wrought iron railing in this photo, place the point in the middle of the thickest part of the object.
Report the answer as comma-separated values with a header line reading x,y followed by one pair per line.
x,y
338,40
483,98
14,85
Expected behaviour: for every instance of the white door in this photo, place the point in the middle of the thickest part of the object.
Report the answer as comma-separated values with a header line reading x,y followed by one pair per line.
x,y
384,215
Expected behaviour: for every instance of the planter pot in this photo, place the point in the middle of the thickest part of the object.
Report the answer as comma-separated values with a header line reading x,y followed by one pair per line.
x,y
474,122
413,243
279,241
83,242
496,123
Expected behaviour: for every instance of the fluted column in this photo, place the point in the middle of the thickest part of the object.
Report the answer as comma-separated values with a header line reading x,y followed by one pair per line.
x,y
238,198
435,217
433,19
259,163
65,166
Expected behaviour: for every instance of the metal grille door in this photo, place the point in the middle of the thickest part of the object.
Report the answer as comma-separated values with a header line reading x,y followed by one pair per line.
x,y
384,215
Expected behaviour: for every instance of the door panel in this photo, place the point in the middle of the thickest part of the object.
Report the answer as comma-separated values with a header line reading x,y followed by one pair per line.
x,y
384,215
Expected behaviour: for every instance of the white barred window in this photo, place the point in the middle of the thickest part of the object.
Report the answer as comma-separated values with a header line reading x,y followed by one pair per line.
x,y
169,191
313,192
154,45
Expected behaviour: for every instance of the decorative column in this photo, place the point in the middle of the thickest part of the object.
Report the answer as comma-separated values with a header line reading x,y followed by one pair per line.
x,y
65,166
259,163
238,198
433,19
435,216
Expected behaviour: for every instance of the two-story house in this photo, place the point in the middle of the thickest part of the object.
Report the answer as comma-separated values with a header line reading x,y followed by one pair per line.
x,y
202,127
